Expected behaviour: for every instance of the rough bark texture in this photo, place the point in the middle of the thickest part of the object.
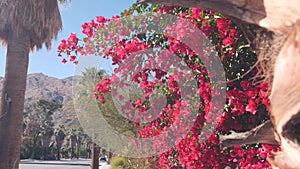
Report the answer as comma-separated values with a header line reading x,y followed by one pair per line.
x,y
266,45
277,16
250,11
263,133
285,99
12,99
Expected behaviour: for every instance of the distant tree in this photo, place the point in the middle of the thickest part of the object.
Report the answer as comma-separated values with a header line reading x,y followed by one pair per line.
x,y
79,140
60,134
85,85
47,108
87,145
72,142
85,88
39,124
47,133
33,127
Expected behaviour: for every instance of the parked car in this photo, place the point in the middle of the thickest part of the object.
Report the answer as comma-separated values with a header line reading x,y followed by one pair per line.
x,y
103,158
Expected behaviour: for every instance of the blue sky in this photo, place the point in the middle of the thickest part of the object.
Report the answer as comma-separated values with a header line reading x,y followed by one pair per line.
x,y
79,11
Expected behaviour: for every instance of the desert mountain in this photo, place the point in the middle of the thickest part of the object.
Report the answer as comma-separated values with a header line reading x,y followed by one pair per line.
x,y
40,86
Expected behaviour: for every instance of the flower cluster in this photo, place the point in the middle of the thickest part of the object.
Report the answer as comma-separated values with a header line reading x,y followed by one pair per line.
x,y
247,103
68,46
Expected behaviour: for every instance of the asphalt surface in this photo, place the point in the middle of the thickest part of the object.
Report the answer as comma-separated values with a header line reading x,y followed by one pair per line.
x,y
61,164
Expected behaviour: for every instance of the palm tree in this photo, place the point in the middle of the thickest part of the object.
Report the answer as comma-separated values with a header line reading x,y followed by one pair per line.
x,y
47,108
47,133
87,144
59,138
33,130
25,25
86,83
73,140
39,123
79,140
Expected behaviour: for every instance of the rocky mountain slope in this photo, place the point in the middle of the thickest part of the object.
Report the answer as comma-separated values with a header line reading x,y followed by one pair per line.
x,y
40,86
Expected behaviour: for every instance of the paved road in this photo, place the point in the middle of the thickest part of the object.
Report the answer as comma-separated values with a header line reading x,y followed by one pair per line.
x,y
62,164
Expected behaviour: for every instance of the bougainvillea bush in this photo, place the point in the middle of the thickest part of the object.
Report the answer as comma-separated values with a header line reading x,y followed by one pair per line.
x,y
246,105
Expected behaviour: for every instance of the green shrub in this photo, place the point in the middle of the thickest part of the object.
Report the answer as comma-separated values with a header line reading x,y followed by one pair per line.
x,y
133,163
118,163
64,153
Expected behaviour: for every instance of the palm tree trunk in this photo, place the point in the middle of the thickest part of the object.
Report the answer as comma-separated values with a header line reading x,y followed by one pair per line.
x,y
95,156
77,150
58,153
72,152
45,153
12,99
33,149
110,154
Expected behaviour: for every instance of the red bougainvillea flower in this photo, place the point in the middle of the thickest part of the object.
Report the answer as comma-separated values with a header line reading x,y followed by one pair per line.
x,y
228,41
246,105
